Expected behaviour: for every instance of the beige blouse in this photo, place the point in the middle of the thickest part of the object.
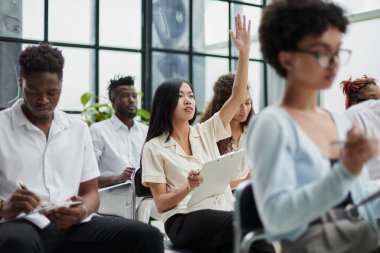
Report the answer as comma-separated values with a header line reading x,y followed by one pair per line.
x,y
166,162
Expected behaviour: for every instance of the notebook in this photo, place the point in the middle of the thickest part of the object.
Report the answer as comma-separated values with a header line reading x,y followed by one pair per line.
x,y
217,174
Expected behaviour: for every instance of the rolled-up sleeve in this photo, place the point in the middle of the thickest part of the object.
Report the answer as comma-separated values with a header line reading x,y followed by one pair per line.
x,y
152,165
214,128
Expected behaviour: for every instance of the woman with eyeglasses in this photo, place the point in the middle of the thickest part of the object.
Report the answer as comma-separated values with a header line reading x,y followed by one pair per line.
x,y
308,160
363,110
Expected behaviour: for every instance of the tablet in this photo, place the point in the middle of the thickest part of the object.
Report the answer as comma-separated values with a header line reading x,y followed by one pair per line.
x,y
217,174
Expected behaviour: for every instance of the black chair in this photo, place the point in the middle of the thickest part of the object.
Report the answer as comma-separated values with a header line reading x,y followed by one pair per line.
x,y
248,227
138,190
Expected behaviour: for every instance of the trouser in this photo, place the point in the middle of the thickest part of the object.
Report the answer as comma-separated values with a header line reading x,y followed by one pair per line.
x,y
118,201
203,230
101,234
207,231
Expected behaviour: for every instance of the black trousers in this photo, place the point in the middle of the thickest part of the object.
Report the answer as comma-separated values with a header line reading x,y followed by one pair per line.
x,y
207,231
100,235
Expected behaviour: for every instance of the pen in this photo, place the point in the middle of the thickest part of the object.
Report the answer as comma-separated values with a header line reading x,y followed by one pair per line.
x,y
337,142
22,185
131,165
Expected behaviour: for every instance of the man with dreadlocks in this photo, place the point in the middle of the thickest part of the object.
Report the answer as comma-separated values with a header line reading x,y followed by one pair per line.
x,y
363,109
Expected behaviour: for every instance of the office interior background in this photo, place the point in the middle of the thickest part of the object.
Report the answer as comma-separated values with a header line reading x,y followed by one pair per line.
x,y
154,40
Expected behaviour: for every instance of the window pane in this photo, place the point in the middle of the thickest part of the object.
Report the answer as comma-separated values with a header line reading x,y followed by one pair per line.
x,y
78,77
9,72
120,23
170,24
112,63
206,71
33,19
255,81
71,21
259,2
210,27
355,6
10,19
254,14
364,61
166,65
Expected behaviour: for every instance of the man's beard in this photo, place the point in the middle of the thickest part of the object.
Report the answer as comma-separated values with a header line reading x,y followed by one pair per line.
x,y
129,115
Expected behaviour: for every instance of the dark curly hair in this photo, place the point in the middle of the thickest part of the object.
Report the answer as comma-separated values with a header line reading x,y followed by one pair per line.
x,y
352,88
222,91
117,81
286,22
41,58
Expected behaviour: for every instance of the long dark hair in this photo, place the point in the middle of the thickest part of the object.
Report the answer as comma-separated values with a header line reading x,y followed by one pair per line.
x,y
164,103
222,91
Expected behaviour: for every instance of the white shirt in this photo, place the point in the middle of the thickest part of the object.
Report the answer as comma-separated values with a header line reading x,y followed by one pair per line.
x,y
165,162
245,166
366,115
53,168
116,146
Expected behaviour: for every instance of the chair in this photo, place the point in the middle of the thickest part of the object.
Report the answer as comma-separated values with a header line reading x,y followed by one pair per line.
x,y
248,227
138,190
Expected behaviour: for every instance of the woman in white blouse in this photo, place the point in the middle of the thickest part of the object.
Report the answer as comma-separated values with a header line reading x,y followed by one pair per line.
x,y
175,151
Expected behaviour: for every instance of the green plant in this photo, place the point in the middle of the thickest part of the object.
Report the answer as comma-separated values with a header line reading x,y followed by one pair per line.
x,y
94,112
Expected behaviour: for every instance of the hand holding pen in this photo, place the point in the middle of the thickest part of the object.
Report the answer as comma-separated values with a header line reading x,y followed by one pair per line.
x,y
357,150
194,179
21,201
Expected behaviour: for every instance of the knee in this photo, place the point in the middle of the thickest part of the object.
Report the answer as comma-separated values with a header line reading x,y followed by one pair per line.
x,y
17,241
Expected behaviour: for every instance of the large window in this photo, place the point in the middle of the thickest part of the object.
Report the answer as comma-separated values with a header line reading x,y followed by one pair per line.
x,y
190,39
152,40
361,38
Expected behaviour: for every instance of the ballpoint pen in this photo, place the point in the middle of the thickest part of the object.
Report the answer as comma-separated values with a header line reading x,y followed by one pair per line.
x,y
22,185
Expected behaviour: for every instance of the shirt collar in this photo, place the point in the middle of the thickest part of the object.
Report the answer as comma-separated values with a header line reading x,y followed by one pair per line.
x,y
117,123
19,119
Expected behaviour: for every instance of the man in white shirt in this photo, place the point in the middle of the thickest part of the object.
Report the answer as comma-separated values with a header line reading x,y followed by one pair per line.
x,y
118,142
47,158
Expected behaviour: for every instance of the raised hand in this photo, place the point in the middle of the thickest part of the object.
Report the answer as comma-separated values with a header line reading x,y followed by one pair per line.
x,y
242,36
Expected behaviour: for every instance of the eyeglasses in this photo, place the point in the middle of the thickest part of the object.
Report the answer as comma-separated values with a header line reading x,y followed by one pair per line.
x,y
326,59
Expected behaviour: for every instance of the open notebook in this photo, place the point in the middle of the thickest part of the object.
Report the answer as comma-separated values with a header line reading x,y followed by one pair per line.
x,y
216,176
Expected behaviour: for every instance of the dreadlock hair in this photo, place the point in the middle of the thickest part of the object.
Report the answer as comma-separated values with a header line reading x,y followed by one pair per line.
x,y
118,81
222,91
41,58
352,88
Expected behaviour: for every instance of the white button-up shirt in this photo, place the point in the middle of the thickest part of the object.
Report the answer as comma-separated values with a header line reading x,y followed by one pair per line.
x,y
165,162
366,115
52,168
116,146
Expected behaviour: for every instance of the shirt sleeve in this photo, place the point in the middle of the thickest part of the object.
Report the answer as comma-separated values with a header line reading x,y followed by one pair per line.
x,y
285,207
214,128
97,142
90,165
152,165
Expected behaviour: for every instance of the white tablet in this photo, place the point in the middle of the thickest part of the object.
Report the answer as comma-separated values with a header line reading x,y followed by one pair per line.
x,y
217,174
